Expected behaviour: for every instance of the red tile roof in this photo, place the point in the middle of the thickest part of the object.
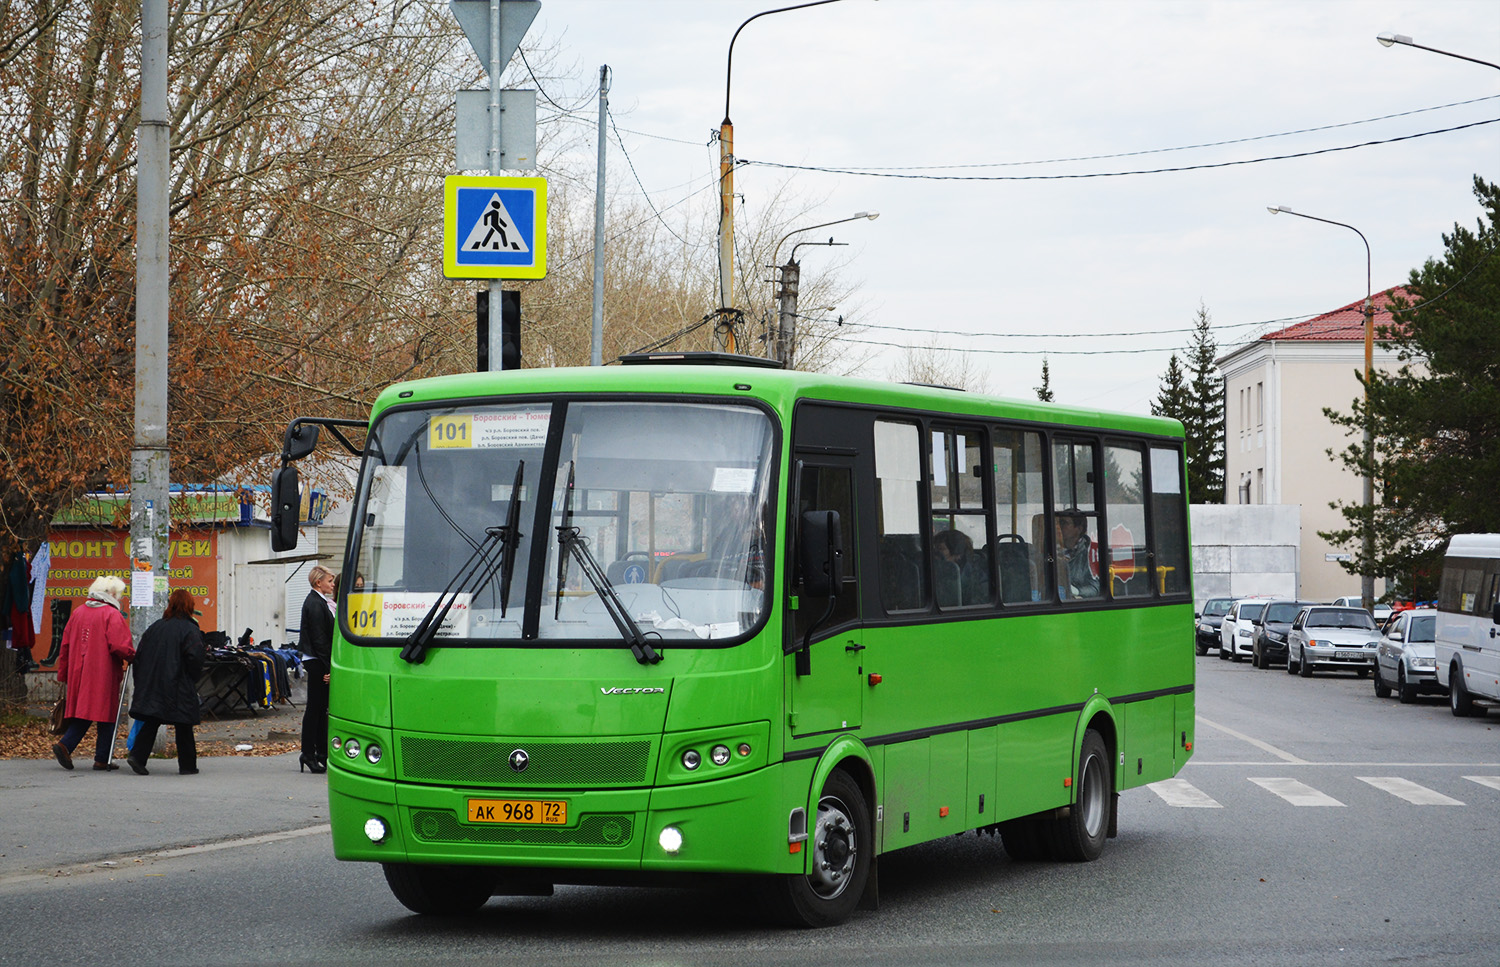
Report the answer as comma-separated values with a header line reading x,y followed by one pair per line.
x,y
1345,323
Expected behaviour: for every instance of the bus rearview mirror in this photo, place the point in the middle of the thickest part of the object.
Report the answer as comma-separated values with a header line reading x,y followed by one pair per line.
x,y
286,508
822,553
301,439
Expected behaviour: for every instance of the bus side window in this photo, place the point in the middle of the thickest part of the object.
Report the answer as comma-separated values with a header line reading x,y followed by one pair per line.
x,y
960,520
898,516
1020,515
1125,503
1076,516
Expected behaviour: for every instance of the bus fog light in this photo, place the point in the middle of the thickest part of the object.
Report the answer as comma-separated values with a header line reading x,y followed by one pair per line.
x,y
690,761
670,839
719,755
372,753
376,829
351,748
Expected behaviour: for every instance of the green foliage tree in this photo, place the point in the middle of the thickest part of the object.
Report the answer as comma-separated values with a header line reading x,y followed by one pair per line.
x,y
1172,399
1435,421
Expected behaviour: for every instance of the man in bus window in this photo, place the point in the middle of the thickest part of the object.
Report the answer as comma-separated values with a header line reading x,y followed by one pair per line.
x,y
1073,546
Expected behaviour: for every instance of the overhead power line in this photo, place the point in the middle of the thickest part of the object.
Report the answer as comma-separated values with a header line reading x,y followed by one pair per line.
x,y
871,173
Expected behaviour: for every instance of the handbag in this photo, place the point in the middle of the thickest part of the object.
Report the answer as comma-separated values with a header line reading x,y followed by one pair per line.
x,y
57,714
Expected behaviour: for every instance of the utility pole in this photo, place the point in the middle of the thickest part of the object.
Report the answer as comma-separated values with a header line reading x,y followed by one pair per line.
x,y
786,310
596,346
150,460
495,66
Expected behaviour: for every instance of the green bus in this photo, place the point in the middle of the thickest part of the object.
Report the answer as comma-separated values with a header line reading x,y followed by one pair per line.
x,y
692,616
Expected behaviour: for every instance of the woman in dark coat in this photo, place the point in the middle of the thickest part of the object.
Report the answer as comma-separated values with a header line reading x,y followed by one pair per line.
x,y
95,649
168,664
316,645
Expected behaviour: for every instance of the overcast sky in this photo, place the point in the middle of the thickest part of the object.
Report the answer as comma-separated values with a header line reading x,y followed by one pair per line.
x,y
1102,265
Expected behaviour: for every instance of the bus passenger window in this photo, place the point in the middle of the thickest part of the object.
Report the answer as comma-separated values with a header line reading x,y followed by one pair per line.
x,y
1168,522
1075,510
1125,505
960,521
1020,515
898,518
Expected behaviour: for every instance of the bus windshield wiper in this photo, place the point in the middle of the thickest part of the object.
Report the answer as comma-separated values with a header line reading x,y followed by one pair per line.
x,y
473,574
571,545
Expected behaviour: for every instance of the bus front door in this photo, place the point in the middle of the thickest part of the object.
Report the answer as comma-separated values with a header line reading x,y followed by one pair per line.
x,y
828,676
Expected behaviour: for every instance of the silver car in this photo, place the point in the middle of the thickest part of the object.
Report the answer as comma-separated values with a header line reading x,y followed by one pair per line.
x,y
1405,660
1331,638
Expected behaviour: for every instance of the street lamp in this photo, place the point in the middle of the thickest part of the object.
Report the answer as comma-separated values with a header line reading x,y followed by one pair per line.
x,y
1366,579
779,341
1387,39
723,331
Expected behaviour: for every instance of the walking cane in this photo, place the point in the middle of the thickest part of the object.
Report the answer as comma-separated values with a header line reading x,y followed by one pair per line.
x,y
124,680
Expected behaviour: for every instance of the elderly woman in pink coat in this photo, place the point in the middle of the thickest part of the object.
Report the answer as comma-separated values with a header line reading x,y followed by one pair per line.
x,y
95,649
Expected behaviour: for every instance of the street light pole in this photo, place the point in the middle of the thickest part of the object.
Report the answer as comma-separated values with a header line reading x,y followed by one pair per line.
x,y
1367,578
778,343
1387,39
722,338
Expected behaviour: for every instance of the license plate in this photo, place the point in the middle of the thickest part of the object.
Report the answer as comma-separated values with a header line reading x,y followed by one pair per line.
x,y
1352,655
536,812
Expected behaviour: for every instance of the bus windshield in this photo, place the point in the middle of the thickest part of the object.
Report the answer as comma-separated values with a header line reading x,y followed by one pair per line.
x,y
669,500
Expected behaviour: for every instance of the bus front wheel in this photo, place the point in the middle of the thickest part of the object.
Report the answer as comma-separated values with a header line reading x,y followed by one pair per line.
x,y
439,890
841,851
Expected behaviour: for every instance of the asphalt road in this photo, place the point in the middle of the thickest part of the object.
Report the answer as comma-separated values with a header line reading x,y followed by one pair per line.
x,y
1315,825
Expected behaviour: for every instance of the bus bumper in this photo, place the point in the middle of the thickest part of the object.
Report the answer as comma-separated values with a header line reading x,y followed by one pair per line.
x,y
732,825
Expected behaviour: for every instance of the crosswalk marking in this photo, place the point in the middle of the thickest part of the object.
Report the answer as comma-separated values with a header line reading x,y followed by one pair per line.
x,y
1410,791
1492,781
1180,792
1296,793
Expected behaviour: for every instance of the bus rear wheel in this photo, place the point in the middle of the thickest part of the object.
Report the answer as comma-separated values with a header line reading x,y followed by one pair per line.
x,y
1079,835
1458,696
841,852
439,890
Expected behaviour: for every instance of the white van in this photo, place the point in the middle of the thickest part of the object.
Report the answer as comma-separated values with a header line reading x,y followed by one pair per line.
x,y
1468,622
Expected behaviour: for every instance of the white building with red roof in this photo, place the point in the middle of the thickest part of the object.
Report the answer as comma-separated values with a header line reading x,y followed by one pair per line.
x,y
1277,438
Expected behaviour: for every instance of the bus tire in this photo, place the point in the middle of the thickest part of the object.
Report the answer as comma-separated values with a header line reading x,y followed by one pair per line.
x,y
1458,696
1079,836
439,890
842,848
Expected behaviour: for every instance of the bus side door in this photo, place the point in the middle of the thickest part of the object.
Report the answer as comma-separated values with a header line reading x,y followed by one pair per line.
x,y
827,680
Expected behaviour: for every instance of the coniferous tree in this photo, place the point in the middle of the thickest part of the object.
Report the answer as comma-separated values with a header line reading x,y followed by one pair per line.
x,y
1435,421
1204,426
1044,391
1173,400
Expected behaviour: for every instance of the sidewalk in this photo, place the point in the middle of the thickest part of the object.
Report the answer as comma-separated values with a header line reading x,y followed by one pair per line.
x,y
58,819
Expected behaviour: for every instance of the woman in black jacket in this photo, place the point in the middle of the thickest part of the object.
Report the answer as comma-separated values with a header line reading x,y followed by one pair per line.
x,y
316,645
168,663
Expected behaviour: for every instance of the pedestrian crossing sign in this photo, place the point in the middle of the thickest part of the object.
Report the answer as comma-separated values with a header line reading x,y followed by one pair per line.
x,y
494,227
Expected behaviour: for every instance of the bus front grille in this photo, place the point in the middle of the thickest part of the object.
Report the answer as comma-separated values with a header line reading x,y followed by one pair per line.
x,y
442,826
486,762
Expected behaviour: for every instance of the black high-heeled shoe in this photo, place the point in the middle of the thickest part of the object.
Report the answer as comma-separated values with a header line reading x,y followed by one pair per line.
x,y
313,765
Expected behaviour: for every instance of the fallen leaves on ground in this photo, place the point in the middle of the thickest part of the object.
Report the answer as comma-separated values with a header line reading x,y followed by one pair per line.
x,y
32,740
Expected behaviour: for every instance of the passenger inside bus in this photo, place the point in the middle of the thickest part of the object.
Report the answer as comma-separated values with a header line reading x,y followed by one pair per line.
x,y
1075,573
961,573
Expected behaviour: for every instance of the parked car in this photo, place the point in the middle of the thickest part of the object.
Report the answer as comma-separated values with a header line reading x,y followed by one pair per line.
x,y
1237,631
1381,612
1206,629
1405,659
1331,638
1271,633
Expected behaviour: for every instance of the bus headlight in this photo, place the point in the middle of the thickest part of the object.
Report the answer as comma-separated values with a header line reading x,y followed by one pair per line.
x,y
719,754
690,761
351,748
372,753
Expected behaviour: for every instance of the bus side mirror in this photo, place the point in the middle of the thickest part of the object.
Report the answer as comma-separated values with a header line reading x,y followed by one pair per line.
x,y
1495,613
301,439
286,508
822,553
